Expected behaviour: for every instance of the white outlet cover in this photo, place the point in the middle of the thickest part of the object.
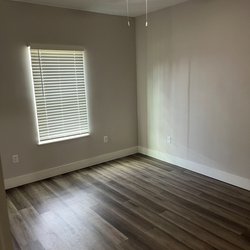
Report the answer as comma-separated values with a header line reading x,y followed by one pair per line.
x,y
15,159
105,139
169,139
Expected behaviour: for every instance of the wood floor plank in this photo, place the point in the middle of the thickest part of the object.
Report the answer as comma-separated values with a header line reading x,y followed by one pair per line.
x,y
151,239
42,231
17,199
234,220
201,185
215,228
220,186
21,230
81,234
15,244
34,246
181,235
110,235
133,244
241,208
133,203
177,174
165,191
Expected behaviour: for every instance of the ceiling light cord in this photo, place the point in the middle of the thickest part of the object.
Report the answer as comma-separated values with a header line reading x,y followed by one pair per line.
x,y
128,17
128,14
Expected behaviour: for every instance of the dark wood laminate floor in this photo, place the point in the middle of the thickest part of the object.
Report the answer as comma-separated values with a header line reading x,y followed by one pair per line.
x,y
131,203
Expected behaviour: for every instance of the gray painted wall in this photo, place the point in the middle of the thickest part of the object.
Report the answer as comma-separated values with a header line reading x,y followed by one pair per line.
x,y
111,79
193,76
5,236
193,66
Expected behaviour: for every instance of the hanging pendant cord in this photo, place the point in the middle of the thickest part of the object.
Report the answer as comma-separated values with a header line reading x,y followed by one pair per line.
x,y
128,14
146,24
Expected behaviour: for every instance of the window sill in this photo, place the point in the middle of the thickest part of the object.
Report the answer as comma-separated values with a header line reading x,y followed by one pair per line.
x,y
63,139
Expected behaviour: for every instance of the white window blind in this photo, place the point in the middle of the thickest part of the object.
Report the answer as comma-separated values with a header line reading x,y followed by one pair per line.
x,y
60,94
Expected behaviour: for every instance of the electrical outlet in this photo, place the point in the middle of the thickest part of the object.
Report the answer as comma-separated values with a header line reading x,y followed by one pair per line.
x,y
15,159
169,139
105,139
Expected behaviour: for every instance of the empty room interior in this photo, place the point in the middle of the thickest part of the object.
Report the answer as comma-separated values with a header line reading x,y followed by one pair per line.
x,y
124,124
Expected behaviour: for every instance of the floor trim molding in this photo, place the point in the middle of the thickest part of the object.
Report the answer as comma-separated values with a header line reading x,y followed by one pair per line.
x,y
44,174
193,166
198,168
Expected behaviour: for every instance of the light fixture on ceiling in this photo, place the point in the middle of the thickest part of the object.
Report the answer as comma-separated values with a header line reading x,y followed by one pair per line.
x,y
146,23
128,17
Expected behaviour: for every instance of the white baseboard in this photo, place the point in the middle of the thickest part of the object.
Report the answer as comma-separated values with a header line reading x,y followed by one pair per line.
x,y
198,168
44,174
193,166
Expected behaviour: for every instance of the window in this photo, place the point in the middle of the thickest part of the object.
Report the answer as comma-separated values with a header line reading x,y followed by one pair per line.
x,y
60,94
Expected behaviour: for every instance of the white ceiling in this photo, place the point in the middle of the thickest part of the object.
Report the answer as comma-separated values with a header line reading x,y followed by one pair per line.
x,y
113,7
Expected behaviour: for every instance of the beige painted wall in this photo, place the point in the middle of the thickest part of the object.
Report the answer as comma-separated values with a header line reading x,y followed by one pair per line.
x,y
111,76
193,64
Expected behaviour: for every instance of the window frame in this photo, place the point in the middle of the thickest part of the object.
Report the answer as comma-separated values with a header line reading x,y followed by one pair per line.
x,y
58,47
